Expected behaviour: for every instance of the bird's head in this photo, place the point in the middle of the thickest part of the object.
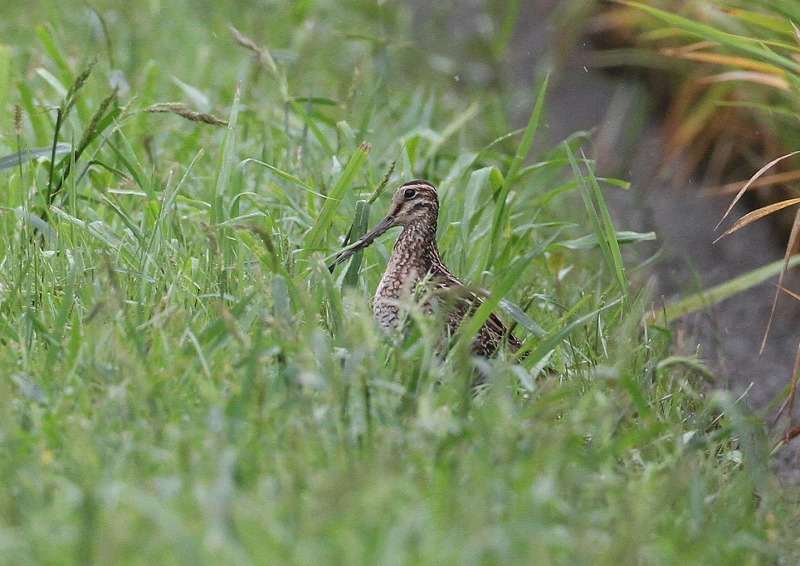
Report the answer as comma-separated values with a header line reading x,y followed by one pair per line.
x,y
415,201
412,202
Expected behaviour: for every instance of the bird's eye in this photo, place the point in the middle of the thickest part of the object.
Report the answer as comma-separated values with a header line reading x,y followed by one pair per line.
x,y
410,193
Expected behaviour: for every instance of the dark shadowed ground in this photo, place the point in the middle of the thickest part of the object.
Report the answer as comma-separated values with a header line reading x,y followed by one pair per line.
x,y
626,145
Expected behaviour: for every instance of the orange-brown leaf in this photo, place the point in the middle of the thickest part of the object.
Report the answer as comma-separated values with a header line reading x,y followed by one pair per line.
x,y
793,236
752,180
765,181
759,213
766,79
717,58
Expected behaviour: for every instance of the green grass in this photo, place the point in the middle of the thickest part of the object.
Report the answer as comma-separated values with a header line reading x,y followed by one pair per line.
x,y
184,381
739,68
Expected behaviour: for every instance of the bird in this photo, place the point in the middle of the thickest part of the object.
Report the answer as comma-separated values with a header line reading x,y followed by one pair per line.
x,y
416,260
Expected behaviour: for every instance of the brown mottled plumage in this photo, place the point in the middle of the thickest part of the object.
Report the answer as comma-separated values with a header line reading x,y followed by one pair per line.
x,y
415,257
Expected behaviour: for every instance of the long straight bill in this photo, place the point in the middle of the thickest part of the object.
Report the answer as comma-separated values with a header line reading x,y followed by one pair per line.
x,y
364,242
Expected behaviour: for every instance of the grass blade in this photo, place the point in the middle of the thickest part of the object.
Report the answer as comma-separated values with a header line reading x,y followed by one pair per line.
x,y
524,148
738,42
603,226
752,180
5,79
553,340
225,163
325,219
791,246
358,229
20,157
470,328
591,241
759,213
712,296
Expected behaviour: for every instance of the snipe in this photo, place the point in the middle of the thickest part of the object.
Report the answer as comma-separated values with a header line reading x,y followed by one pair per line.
x,y
415,258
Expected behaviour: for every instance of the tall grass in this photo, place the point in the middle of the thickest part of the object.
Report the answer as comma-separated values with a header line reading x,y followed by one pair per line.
x,y
186,382
745,64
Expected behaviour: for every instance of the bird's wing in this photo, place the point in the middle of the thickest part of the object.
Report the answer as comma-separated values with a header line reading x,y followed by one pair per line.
x,y
467,302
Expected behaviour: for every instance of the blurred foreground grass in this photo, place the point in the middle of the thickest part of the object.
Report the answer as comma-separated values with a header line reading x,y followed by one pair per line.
x,y
185,383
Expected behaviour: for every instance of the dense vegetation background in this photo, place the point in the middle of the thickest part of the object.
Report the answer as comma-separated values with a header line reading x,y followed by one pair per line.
x,y
185,382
